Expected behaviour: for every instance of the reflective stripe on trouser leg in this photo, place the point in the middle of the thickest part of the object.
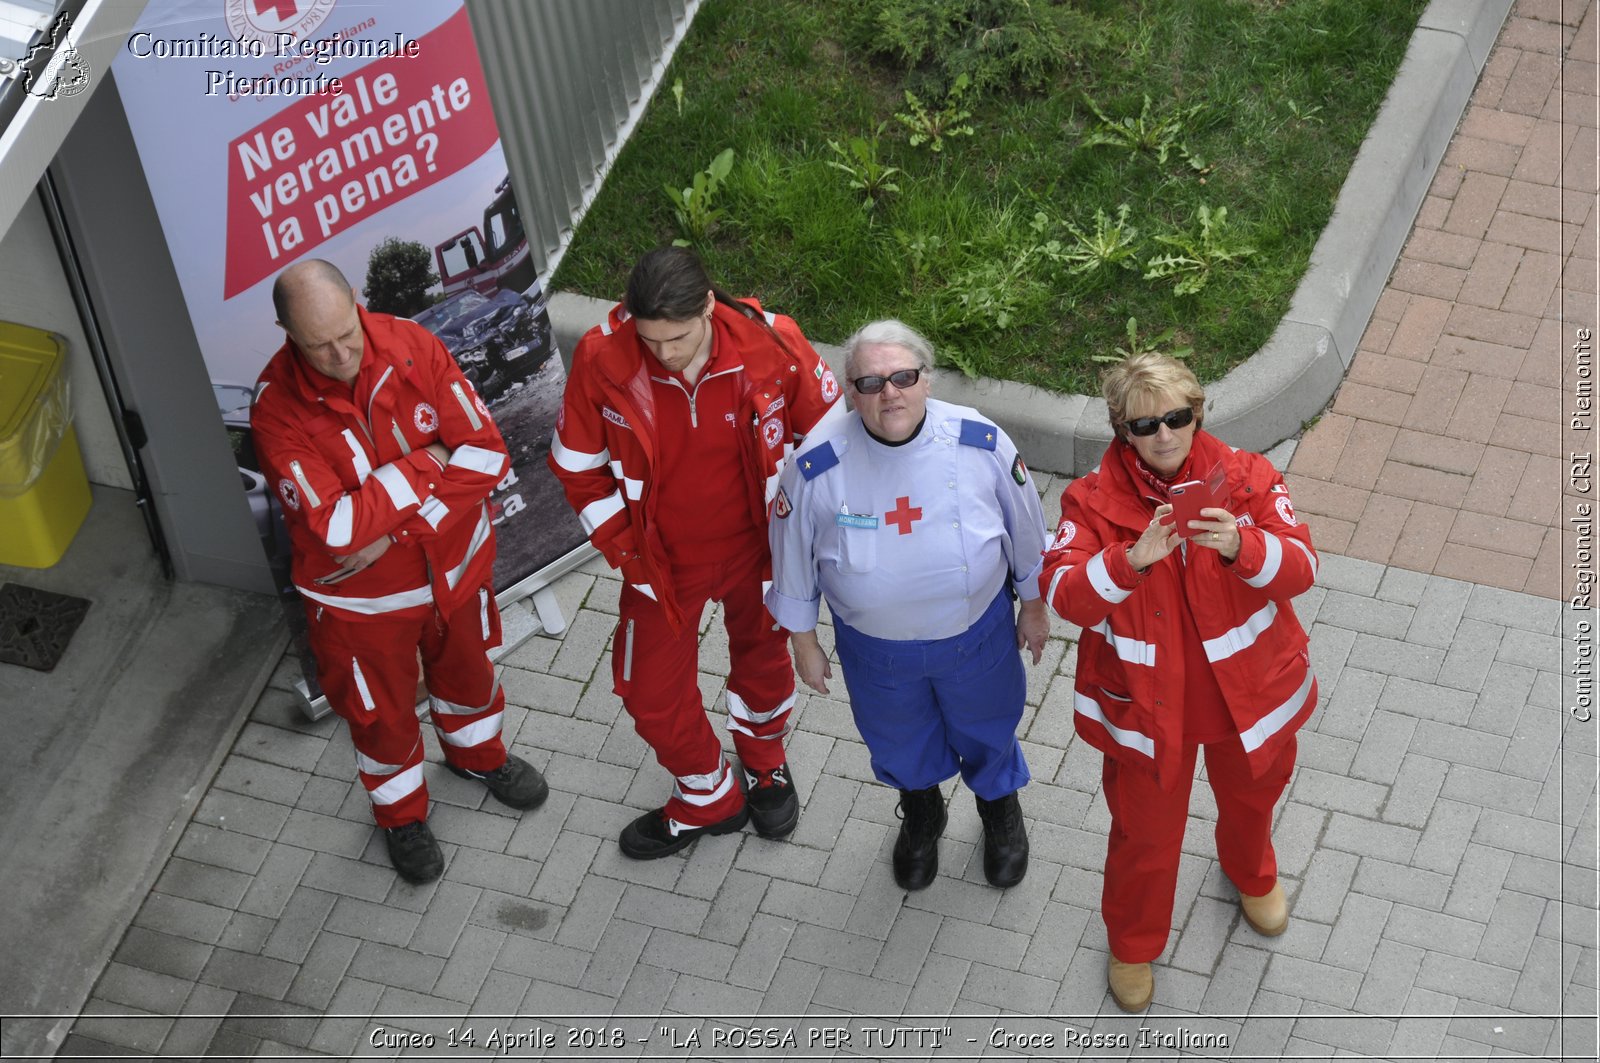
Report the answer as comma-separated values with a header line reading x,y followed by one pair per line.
x,y
465,698
654,671
760,674
1142,851
701,791
368,670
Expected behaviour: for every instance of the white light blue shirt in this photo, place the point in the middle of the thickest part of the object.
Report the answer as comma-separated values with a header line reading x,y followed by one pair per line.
x,y
906,542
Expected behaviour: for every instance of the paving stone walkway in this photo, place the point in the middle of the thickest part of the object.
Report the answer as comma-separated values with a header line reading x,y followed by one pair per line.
x,y
1438,841
1443,451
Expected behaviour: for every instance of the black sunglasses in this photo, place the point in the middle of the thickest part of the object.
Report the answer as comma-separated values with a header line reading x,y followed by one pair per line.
x,y
1173,419
902,379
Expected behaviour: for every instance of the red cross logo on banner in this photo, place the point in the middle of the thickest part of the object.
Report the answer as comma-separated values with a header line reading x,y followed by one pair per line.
x,y
903,514
287,9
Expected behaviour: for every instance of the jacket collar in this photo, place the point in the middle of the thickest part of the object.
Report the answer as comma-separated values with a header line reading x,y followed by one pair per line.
x,y
1122,498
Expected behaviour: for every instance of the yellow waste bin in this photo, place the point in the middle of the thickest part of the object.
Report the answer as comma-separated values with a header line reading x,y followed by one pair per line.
x,y
44,494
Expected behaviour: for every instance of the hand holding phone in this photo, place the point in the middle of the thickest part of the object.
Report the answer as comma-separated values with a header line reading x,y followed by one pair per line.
x,y
1192,496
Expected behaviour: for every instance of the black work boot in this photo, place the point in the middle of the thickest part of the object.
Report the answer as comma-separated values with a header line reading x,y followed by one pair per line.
x,y
414,851
1005,840
916,851
650,837
515,783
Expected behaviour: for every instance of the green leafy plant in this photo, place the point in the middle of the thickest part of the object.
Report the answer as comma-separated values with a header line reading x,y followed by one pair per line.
x,y
1110,244
1138,344
920,250
931,127
1304,115
1199,252
692,206
677,95
999,44
1155,134
868,174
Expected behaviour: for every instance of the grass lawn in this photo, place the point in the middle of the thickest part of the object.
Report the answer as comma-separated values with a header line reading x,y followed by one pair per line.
x,y
991,246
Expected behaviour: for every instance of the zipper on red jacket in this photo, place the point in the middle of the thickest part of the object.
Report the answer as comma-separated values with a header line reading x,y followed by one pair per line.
x,y
694,417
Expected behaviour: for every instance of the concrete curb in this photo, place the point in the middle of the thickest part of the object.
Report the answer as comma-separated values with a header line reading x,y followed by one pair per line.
x,y
1294,375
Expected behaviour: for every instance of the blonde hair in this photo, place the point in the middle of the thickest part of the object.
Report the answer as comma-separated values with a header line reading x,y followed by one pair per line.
x,y
1147,376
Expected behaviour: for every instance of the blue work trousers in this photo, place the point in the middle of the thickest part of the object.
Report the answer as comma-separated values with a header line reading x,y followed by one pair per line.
x,y
928,708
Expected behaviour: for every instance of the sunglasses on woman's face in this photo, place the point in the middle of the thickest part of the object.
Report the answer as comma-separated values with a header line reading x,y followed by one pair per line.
x,y
871,385
1182,417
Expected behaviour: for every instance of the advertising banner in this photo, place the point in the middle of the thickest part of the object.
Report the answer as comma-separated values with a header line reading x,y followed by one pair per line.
x,y
361,133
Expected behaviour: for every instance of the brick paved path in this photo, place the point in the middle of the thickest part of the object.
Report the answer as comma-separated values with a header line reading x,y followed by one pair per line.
x,y
1443,450
1438,841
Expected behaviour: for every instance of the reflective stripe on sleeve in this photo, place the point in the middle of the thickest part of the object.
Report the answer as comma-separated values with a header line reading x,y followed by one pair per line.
x,y
478,459
1135,651
1100,578
1055,581
599,511
483,615
341,523
433,511
634,489
1278,718
576,460
384,603
395,484
1269,564
1087,706
358,457
480,535
1242,637
1311,558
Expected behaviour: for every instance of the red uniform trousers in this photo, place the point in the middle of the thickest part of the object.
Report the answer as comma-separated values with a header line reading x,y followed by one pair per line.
x,y
368,670
656,673
1147,826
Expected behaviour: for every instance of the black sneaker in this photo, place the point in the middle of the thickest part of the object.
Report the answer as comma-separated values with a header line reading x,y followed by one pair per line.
x,y
516,782
414,852
774,804
649,837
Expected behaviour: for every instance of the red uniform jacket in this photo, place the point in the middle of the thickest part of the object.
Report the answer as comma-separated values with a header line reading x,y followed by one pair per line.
x,y
1128,697
349,469
604,451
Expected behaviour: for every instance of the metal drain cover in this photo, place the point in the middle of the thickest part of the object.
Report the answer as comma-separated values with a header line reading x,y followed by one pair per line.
x,y
36,626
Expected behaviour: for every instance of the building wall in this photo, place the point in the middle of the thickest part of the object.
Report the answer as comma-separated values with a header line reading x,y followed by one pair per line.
x,y
569,81
34,291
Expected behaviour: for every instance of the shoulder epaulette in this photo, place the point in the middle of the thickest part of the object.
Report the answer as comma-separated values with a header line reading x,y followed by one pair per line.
x,y
979,434
817,460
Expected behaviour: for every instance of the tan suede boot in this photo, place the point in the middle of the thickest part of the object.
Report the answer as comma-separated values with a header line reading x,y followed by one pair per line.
x,y
1267,915
1132,984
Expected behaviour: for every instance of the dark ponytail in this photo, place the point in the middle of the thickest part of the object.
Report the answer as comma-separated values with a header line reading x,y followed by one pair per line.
x,y
670,284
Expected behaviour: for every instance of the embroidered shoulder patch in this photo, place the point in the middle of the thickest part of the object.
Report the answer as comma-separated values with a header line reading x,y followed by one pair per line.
x,y
1019,471
780,505
615,418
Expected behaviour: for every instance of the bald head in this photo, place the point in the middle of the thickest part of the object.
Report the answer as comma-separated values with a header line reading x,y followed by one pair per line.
x,y
316,306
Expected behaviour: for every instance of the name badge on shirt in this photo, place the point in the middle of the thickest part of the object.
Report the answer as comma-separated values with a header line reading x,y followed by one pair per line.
x,y
855,520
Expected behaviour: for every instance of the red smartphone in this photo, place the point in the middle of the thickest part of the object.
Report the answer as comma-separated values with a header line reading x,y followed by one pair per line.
x,y
1189,498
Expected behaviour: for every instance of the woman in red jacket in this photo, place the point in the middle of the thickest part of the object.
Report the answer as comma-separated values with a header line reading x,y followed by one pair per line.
x,y
1189,641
